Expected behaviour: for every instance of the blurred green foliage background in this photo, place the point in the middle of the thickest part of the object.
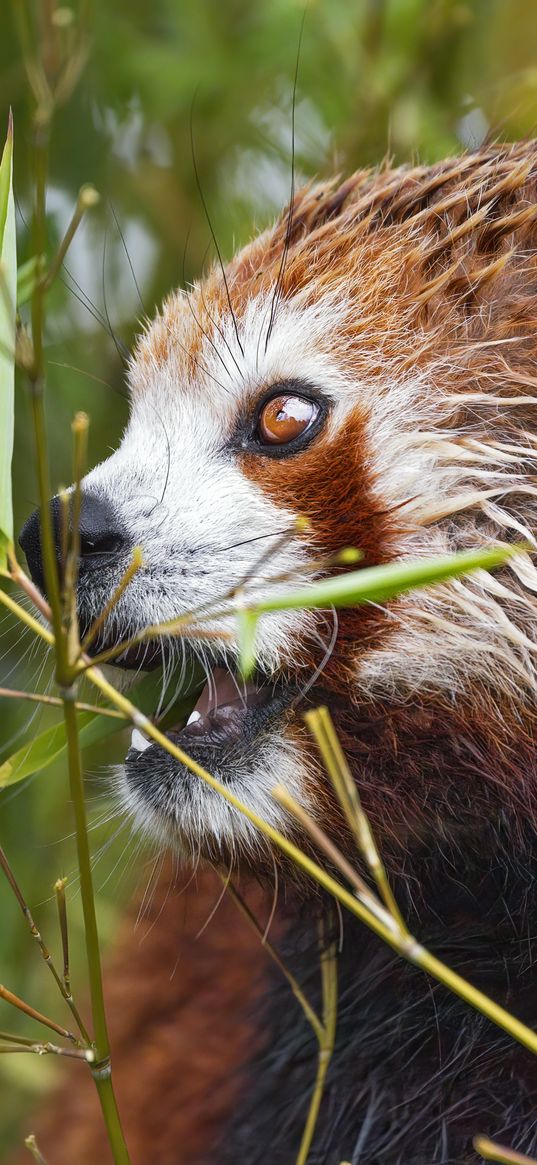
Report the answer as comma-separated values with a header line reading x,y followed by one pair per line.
x,y
407,78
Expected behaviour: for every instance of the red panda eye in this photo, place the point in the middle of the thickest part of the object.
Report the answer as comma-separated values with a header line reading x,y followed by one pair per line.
x,y
284,418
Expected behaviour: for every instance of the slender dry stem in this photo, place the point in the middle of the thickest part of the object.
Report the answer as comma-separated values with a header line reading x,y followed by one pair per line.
x,y
134,566
32,1145
322,728
308,1010
65,637
380,922
326,1040
56,702
17,1044
59,890
87,198
324,843
20,1004
494,1152
36,934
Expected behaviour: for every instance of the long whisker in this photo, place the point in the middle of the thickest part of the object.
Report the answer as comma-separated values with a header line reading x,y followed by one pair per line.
x,y
289,224
195,317
197,362
129,260
82,298
120,347
247,541
305,688
211,228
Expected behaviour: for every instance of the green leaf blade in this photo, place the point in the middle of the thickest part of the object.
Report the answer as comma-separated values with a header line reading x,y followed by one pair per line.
x,y
246,635
8,295
41,751
379,583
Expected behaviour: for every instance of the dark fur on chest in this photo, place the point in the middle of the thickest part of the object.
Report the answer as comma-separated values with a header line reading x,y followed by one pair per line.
x,y
416,1072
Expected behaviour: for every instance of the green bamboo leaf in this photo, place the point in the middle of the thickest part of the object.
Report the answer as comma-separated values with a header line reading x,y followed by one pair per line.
x,y
379,583
48,746
8,292
246,634
51,745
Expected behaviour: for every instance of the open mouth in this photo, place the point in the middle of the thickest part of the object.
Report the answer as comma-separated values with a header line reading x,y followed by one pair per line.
x,y
227,709
235,730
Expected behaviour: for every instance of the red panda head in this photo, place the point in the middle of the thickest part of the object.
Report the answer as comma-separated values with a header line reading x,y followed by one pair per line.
x,y
368,364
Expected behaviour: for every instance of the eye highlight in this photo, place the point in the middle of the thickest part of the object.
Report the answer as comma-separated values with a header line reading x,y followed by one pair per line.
x,y
285,418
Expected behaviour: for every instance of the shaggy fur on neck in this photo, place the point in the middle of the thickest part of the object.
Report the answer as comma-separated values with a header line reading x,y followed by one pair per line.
x,y
415,1073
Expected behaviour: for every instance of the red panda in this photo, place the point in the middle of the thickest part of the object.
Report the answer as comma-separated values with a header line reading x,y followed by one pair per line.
x,y
369,363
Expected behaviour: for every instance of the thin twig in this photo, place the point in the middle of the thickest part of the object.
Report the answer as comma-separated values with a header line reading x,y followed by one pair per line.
x,y
32,1145
10,997
134,566
87,199
36,934
380,922
56,702
310,1014
324,843
79,428
326,1041
18,1044
65,637
494,1152
59,890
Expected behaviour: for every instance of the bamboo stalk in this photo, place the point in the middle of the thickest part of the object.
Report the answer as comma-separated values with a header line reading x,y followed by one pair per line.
x,y
59,890
405,945
134,566
66,638
87,199
16,1044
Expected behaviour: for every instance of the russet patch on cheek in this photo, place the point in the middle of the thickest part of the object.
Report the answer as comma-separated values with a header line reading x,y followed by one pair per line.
x,y
331,484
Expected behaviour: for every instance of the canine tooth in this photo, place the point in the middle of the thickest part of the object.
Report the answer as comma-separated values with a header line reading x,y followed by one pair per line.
x,y
139,741
194,715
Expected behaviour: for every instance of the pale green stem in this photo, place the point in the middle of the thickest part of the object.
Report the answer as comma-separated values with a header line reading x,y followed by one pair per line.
x,y
493,1152
326,1045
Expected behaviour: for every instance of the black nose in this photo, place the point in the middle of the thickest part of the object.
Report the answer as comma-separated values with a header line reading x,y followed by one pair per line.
x,y
102,538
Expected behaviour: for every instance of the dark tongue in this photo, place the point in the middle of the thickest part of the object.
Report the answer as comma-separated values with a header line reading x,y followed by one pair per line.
x,y
219,714
223,690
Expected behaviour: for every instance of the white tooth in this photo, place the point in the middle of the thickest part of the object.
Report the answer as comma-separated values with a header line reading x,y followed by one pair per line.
x,y
139,741
194,715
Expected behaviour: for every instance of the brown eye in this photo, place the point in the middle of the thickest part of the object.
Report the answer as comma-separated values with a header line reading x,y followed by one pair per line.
x,y
284,418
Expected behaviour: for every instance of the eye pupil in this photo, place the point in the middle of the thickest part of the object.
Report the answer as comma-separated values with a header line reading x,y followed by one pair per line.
x,y
284,418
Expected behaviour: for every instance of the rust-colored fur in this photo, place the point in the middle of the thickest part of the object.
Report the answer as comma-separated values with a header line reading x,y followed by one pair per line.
x,y
431,276
179,1004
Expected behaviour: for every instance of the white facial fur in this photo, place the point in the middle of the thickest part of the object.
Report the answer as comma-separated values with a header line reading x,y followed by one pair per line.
x,y
177,488
179,492
203,524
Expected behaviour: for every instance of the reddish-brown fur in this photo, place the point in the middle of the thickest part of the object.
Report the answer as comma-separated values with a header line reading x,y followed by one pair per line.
x,y
437,262
180,1026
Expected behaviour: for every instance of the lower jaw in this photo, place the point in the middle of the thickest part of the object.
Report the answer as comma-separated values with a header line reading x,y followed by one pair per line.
x,y
177,809
218,747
